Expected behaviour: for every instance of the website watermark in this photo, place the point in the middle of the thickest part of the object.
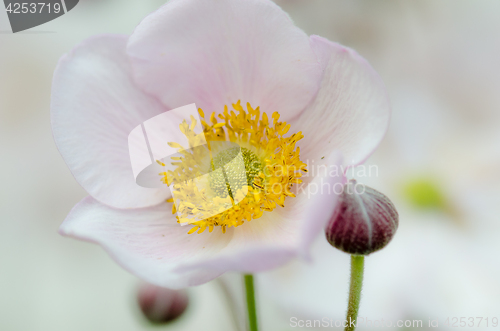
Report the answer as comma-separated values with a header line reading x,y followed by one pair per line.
x,y
207,176
326,322
453,322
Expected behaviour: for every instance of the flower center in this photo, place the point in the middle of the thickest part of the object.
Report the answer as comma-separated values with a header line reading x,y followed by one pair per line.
x,y
251,169
232,176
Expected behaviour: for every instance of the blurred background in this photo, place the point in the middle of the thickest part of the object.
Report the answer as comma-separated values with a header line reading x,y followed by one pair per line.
x,y
440,164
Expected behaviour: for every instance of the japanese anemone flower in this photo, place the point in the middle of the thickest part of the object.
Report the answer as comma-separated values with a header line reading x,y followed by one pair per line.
x,y
214,53
458,219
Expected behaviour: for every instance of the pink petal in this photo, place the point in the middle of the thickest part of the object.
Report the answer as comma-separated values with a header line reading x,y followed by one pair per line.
x,y
214,52
284,233
148,242
95,105
351,111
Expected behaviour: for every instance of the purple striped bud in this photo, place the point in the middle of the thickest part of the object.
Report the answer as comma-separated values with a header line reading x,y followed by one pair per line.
x,y
161,305
363,222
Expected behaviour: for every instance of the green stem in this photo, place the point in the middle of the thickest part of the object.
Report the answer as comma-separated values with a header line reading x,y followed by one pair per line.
x,y
252,311
357,266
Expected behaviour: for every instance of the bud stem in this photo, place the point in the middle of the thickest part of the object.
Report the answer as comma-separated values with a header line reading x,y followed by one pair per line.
x,y
250,294
357,268
231,304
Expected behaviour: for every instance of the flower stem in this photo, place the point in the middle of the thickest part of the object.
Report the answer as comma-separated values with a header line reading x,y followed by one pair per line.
x,y
231,304
252,311
357,266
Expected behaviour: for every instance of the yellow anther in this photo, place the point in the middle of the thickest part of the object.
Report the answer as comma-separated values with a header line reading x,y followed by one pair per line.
x,y
272,166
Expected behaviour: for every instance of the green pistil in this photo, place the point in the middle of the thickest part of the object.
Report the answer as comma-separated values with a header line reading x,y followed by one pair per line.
x,y
235,173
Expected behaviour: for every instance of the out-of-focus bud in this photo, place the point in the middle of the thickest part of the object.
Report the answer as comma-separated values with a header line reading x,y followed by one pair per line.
x,y
161,305
363,222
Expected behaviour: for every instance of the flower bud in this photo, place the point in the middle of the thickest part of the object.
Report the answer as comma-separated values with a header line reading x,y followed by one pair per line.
x,y
363,222
161,305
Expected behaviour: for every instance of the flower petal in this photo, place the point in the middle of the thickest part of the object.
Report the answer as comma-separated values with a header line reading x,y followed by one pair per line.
x,y
285,233
214,52
95,105
148,242
351,111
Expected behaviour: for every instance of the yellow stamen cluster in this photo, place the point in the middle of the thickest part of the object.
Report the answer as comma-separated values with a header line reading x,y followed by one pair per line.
x,y
272,162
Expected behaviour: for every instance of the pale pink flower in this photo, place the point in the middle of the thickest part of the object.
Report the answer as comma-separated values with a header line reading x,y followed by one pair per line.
x,y
211,53
439,264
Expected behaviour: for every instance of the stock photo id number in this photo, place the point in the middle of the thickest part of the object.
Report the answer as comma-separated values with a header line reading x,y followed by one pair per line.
x,y
25,15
